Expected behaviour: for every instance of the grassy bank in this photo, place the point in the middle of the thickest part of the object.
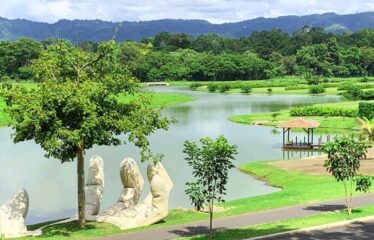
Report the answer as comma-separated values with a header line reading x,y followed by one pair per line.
x,y
327,122
287,225
283,85
296,188
157,100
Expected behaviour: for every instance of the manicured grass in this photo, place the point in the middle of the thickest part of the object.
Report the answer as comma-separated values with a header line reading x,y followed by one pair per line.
x,y
278,85
327,123
296,188
287,225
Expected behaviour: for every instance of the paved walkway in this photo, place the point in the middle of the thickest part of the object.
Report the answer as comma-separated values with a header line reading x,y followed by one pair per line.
x,y
353,231
238,221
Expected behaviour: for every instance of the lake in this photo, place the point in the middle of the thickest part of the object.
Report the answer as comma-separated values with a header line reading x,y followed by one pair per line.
x,y
52,185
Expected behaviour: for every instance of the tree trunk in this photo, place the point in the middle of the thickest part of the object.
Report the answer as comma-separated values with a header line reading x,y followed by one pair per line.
x,y
210,220
81,190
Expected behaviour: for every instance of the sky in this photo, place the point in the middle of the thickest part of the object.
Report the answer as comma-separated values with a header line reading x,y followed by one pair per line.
x,y
215,11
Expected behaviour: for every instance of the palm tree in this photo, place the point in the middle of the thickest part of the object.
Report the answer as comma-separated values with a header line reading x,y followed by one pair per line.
x,y
366,129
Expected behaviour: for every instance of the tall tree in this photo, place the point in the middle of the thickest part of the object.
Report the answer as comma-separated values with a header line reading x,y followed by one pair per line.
x,y
76,106
210,163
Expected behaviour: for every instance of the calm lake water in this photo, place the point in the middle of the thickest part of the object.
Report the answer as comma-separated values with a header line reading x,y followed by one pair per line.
x,y
52,185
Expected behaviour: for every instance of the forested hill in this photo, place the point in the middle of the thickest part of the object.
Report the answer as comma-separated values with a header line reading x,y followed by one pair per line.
x,y
97,30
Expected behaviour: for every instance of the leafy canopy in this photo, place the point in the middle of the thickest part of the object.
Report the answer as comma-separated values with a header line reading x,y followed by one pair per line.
x,y
76,104
211,163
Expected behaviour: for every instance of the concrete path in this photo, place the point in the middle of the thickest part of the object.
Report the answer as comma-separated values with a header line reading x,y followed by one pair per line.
x,y
354,231
238,221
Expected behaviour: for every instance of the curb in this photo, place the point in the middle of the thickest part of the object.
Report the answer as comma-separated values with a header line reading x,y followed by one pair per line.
x,y
316,228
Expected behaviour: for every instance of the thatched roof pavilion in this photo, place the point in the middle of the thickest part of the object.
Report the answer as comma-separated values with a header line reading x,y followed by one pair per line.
x,y
307,125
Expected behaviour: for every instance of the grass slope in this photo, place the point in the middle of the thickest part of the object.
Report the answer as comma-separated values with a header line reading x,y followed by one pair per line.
x,y
327,123
297,188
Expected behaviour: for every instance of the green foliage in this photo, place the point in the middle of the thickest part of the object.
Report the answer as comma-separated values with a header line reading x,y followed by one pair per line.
x,y
269,90
76,106
246,89
210,163
224,88
363,183
212,87
194,86
325,111
344,155
366,110
316,89
275,115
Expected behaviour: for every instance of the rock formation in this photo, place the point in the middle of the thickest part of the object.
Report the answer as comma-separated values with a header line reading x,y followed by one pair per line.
x,y
13,214
94,187
126,213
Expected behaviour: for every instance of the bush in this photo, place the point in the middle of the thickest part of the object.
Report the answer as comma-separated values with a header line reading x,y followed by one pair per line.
x,y
354,92
323,111
246,89
364,79
212,87
316,89
366,109
269,90
194,86
224,87
367,95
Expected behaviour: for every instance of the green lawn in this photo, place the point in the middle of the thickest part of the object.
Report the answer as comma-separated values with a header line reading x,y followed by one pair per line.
x,y
157,100
297,188
327,123
277,84
287,225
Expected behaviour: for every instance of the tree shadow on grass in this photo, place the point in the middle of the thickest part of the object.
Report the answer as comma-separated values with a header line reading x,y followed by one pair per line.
x,y
65,229
200,232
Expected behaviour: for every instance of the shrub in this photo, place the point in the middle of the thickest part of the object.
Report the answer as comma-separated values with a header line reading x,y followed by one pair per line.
x,y
269,90
323,111
353,92
364,79
316,89
212,87
224,87
366,110
367,95
194,86
246,89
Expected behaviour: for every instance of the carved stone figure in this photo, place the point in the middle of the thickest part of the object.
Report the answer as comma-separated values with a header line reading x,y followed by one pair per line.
x,y
13,214
94,187
126,213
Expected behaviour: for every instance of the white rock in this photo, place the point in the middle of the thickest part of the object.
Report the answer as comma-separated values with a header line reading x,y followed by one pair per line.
x,y
13,214
152,210
94,187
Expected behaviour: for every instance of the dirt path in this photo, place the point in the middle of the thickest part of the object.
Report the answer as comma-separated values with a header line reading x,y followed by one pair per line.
x,y
314,165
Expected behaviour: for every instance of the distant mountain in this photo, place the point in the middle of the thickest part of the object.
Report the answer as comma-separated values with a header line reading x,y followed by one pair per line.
x,y
97,30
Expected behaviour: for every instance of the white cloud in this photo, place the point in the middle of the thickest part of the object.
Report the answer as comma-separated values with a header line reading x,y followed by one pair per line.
x,y
216,11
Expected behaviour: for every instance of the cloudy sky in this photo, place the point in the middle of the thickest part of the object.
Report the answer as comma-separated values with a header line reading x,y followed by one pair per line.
x,y
216,11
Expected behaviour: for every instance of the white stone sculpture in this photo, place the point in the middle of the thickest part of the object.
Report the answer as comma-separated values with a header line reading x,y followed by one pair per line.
x,y
94,187
126,213
13,214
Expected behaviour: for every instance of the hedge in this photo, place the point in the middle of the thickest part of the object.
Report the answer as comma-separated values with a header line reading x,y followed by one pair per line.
x,y
323,111
366,109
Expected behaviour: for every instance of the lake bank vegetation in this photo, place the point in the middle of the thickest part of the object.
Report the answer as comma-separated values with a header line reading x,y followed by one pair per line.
x,y
261,55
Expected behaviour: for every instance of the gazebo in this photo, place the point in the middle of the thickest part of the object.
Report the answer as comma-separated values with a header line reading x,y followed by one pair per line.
x,y
307,125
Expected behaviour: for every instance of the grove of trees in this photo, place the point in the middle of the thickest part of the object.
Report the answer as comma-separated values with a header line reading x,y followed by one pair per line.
x,y
262,55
